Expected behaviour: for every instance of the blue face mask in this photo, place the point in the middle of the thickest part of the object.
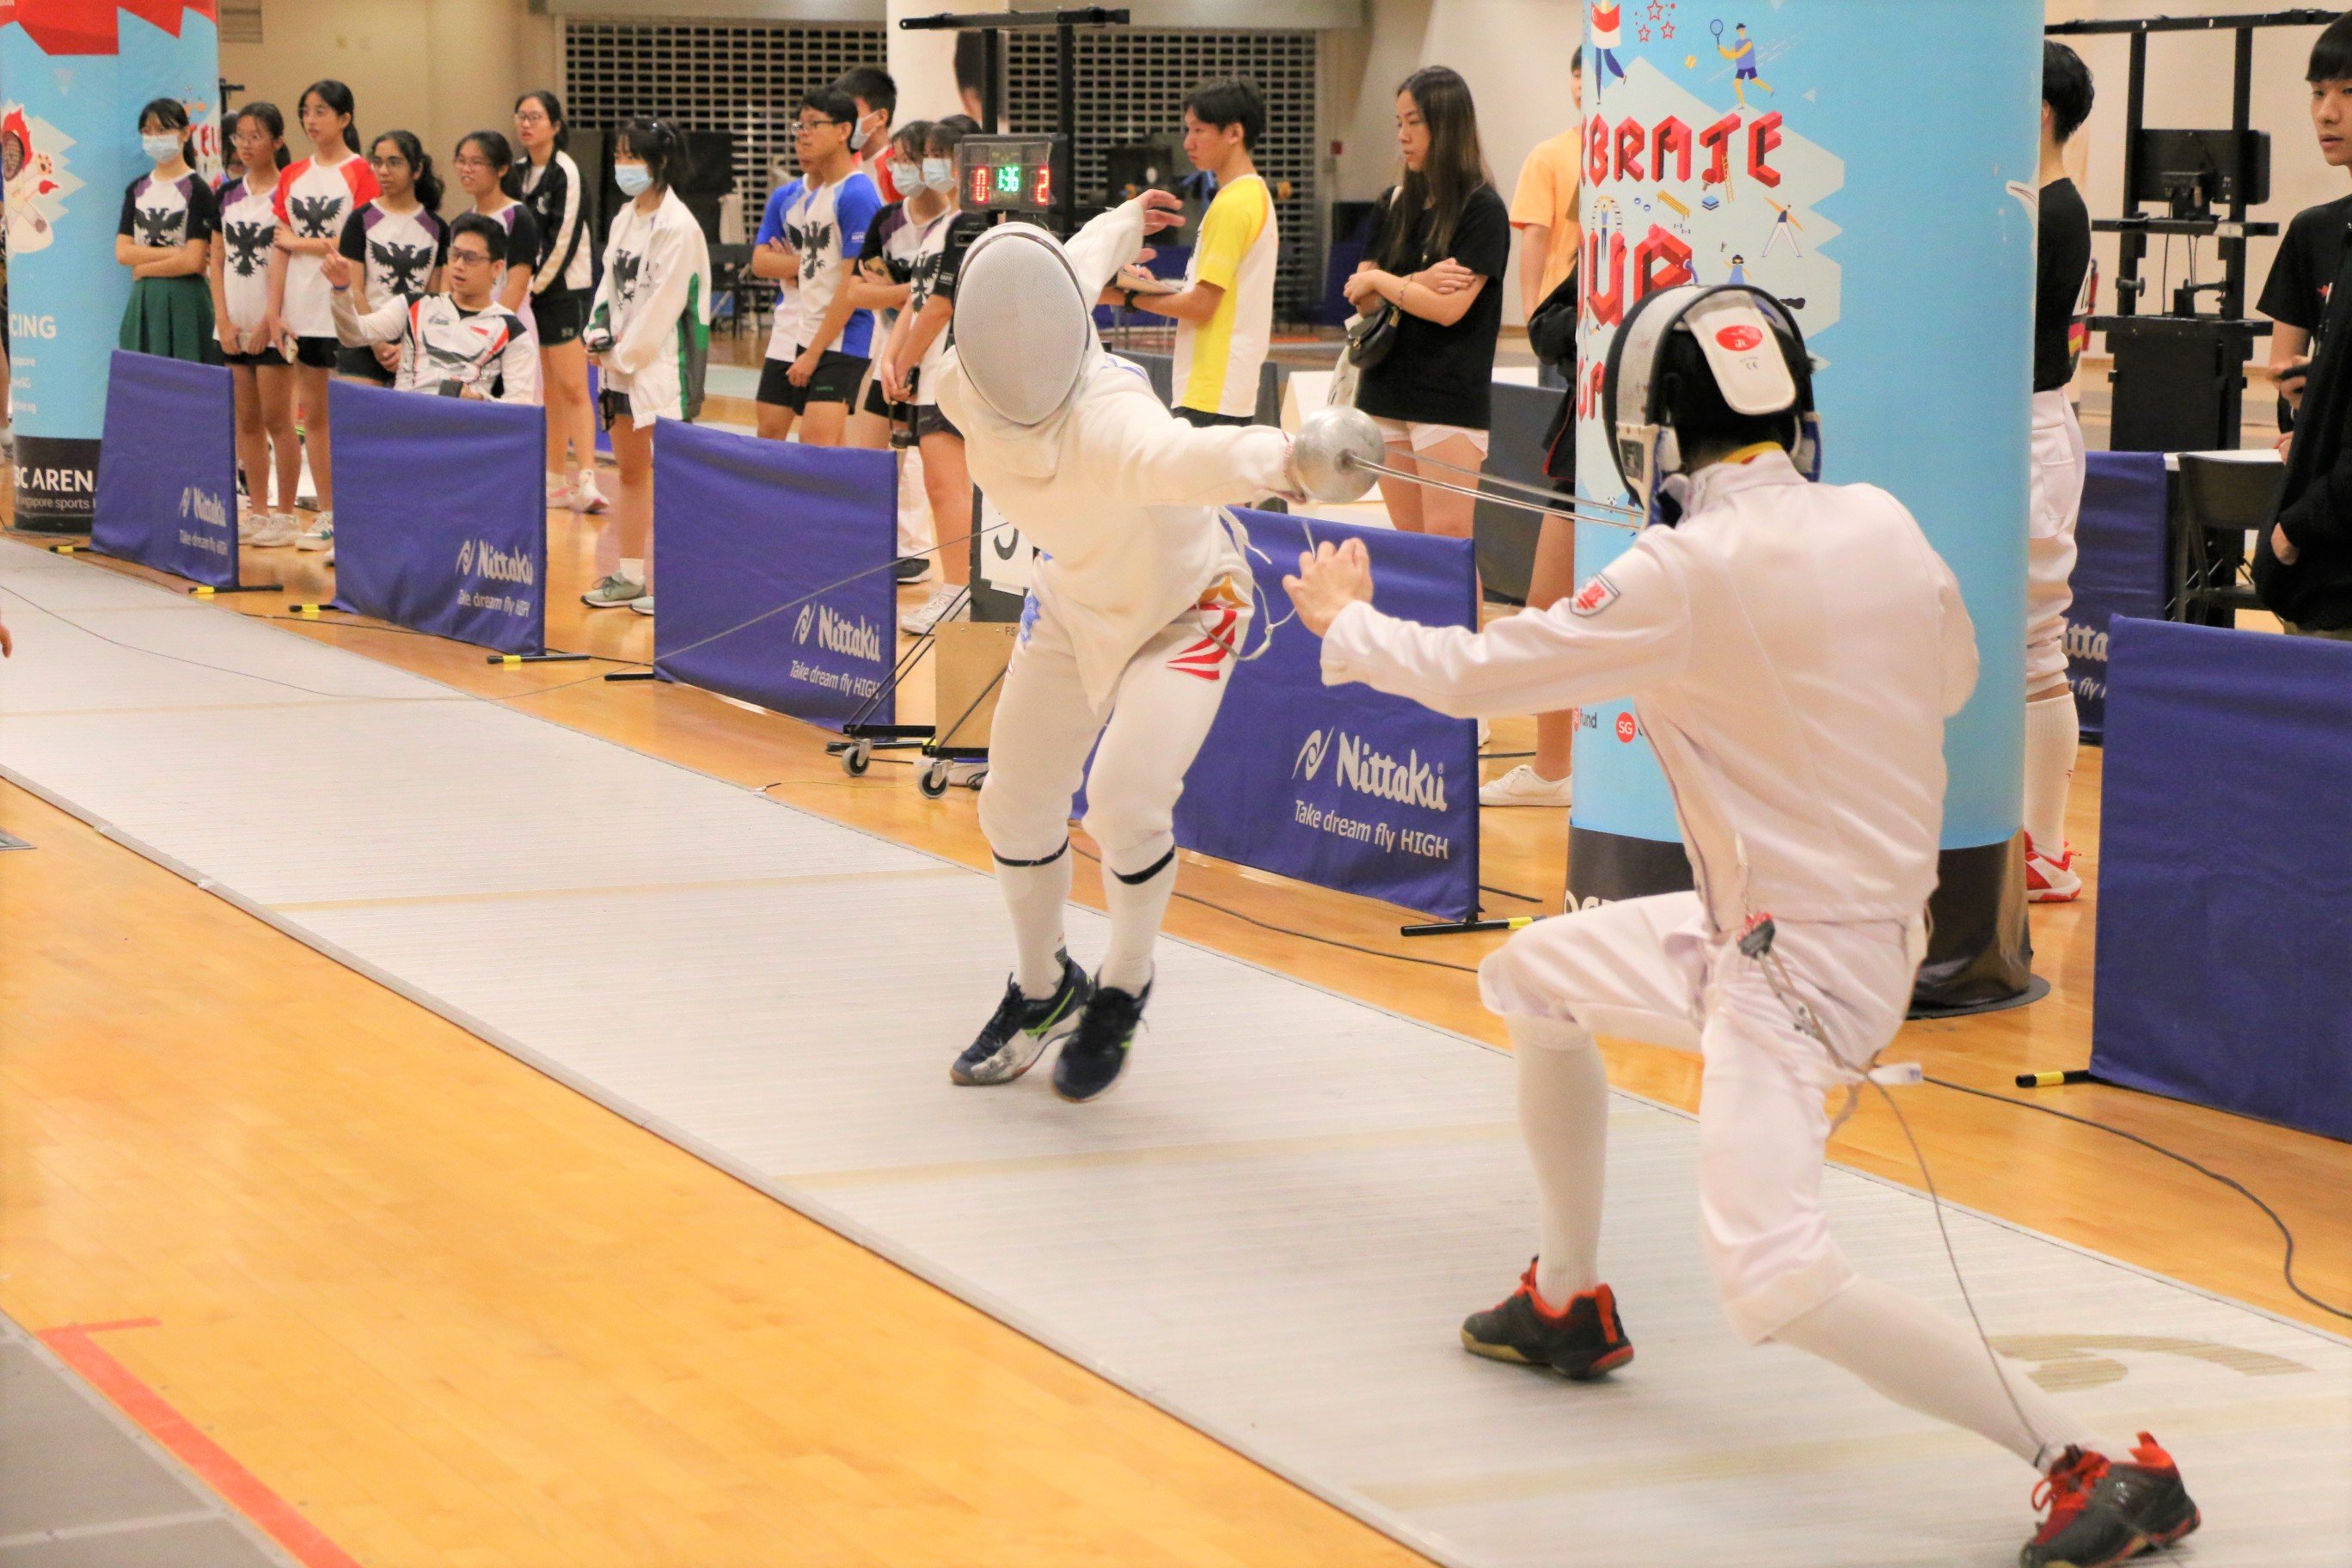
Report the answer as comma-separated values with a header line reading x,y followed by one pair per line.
x,y
634,179
940,174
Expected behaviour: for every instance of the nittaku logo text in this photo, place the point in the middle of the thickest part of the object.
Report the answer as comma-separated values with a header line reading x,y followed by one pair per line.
x,y
1311,754
205,508
805,623
480,558
1407,782
2083,642
836,633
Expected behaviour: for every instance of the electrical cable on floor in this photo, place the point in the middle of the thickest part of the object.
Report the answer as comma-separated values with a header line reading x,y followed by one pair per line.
x,y
2286,1233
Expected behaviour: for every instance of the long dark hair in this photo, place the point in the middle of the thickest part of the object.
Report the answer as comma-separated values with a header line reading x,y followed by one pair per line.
x,y
657,145
550,106
493,146
428,183
337,97
261,108
1455,170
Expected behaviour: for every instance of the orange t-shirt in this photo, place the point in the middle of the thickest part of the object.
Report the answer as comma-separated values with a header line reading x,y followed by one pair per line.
x,y
1547,196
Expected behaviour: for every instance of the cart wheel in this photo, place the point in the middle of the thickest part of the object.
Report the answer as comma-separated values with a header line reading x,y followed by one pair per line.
x,y
933,781
855,760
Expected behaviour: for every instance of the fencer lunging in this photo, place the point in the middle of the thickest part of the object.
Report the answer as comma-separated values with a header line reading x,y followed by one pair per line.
x,y
1810,801
1141,605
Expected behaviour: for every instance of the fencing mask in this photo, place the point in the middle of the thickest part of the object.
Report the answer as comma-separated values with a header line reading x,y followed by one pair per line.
x,y
1024,328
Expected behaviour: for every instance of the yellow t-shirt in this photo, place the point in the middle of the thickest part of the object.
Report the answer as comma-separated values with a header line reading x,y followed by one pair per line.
x,y
1217,359
1547,196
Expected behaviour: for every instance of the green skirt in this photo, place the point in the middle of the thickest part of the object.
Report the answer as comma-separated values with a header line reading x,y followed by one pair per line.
x,y
172,317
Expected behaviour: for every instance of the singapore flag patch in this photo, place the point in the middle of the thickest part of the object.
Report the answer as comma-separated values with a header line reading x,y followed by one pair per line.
x,y
1595,596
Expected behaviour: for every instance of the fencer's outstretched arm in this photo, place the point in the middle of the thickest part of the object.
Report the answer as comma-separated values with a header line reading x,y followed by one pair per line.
x,y
1133,452
1627,631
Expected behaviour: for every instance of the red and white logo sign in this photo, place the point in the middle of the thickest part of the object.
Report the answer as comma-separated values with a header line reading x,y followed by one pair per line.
x,y
1625,728
1739,337
1595,596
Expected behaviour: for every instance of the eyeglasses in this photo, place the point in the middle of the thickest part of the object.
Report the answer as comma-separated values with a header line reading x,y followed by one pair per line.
x,y
808,125
473,258
393,162
469,164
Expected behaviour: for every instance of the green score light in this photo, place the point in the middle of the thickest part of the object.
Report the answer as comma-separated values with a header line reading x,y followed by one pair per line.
x,y
1008,180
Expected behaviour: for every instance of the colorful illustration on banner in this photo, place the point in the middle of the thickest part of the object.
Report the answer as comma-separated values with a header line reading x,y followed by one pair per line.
x,y
1608,37
39,177
1741,52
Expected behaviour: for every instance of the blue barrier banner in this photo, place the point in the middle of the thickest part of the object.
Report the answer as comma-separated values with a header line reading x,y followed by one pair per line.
x,y
1341,785
441,514
2225,874
744,526
2119,568
167,468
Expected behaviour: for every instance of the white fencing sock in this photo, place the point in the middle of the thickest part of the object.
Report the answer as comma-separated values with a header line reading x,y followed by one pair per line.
x,y
1564,1116
1035,896
2053,734
1138,903
1936,1365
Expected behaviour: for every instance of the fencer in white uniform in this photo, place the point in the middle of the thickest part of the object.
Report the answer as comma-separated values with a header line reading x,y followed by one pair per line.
x,y
1809,796
1141,611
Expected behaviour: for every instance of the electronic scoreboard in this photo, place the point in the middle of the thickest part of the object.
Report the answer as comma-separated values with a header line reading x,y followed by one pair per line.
x,y
1029,176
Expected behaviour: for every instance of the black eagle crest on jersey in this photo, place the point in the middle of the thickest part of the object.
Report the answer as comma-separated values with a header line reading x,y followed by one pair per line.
x,y
312,214
626,265
158,228
404,266
249,246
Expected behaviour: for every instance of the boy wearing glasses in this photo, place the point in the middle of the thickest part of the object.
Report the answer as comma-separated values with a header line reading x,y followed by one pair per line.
x,y
825,226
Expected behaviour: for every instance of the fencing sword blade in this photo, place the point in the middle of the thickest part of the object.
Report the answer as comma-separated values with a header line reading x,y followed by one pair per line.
x,y
1584,510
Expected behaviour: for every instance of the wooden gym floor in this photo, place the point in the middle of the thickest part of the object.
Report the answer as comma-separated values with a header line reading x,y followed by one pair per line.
x,y
453,1313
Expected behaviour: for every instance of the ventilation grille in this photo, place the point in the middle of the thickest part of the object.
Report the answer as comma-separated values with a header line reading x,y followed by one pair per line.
x,y
1131,83
240,23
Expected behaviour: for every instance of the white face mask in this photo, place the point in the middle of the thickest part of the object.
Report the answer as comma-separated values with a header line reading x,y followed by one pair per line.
x,y
634,179
940,174
160,147
904,175
859,136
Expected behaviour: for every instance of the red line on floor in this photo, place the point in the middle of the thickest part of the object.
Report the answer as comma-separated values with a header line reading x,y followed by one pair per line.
x,y
212,1464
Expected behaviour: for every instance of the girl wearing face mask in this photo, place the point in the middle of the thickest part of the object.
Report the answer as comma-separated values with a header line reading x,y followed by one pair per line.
x,y
315,196
398,241
563,281
169,217
879,283
918,340
482,162
649,332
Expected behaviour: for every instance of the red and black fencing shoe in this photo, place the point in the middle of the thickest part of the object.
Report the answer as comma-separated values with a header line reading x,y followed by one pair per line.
x,y
1584,1340
2102,1512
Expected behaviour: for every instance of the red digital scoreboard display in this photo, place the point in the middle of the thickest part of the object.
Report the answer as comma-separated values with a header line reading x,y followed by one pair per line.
x,y
1012,174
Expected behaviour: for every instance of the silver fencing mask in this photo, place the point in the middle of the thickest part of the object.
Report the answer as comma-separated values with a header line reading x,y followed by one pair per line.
x,y
1023,325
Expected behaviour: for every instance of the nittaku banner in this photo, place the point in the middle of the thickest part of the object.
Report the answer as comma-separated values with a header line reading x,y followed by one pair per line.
x,y
72,79
167,468
745,534
441,514
2119,568
1765,146
1342,785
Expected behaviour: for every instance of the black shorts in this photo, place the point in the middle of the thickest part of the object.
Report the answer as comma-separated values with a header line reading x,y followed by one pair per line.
x,y
318,353
361,364
560,315
834,381
1208,421
267,356
880,407
930,421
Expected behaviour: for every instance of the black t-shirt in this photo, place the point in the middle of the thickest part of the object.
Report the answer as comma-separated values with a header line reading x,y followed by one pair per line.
x,y
2308,256
2065,261
1446,375
2315,504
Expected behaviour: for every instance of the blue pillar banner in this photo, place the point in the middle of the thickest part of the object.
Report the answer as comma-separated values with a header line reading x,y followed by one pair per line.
x,y
167,468
1342,785
1766,145
72,79
743,527
2119,568
2225,881
441,514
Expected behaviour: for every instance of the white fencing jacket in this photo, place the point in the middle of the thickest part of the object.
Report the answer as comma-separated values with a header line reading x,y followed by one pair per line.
x,y
1120,495
1792,650
444,344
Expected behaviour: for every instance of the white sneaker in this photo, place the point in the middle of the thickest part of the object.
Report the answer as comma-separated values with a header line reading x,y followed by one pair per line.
x,y
584,496
273,531
1525,786
320,535
643,604
612,592
248,523
948,602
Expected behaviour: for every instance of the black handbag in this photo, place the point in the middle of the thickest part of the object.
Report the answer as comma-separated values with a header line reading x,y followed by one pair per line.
x,y
1369,338
1551,331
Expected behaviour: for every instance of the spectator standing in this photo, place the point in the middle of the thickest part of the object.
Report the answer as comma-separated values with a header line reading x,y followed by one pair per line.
x,y
461,343
918,340
1552,234
875,93
880,282
774,259
484,160
827,226
650,331
170,215
1440,248
2302,562
315,195
562,284
259,370
399,240
1224,313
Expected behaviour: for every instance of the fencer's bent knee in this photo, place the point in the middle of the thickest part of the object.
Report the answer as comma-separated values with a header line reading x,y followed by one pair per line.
x,y
1131,834
1020,824
1507,983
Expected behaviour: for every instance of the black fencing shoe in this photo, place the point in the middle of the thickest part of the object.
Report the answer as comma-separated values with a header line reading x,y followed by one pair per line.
x,y
1018,1035
1587,1341
1093,1060
2103,1511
